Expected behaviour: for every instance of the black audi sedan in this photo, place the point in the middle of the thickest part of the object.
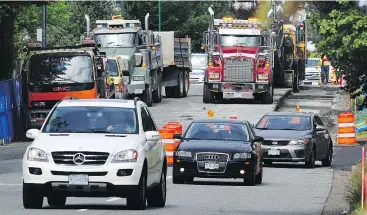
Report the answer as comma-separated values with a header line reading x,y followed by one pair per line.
x,y
295,137
218,148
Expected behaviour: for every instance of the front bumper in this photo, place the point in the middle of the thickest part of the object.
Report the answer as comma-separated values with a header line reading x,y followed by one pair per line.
x,y
288,153
231,169
103,179
136,87
36,117
233,90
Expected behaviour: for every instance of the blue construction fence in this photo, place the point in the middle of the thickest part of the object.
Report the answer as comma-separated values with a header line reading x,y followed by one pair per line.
x,y
11,111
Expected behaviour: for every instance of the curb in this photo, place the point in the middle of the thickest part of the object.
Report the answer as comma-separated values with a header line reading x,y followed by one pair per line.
x,y
281,99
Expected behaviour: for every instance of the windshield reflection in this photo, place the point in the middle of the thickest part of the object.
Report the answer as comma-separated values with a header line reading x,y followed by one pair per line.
x,y
249,41
116,40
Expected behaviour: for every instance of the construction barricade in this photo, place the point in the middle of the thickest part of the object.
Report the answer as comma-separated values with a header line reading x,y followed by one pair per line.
x,y
346,129
170,143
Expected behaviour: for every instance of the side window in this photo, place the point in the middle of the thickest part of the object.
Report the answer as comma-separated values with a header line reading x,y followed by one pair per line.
x,y
314,122
148,124
251,131
319,121
151,119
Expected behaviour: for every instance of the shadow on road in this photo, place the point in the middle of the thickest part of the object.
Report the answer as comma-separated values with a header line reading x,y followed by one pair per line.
x,y
291,166
99,207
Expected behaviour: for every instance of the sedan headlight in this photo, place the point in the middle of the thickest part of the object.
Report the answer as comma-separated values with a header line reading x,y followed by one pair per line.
x,y
129,155
244,155
138,78
35,154
298,142
183,154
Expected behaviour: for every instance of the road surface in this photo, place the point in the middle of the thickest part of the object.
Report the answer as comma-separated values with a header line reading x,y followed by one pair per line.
x,y
287,189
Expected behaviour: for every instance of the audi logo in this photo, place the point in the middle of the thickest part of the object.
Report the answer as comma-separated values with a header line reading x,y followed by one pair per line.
x,y
212,157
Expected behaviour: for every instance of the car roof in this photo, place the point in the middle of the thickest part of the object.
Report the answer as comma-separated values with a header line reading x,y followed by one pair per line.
x,y
289,113
231,121
122,103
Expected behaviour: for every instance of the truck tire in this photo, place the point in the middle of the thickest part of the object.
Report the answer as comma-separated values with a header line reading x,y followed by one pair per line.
x,y
169,92
187,84
157,94
295,85
267,97
178,91
147,96
208,96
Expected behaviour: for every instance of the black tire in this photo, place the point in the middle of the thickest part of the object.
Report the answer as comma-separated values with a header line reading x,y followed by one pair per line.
x,y
176,179
147,96
259,176
186,84
268,162
311,162
208,96
178,90
169,92
157,196
189,180
56,200
250,181
157,94
329,157
268,96
138,200
32,198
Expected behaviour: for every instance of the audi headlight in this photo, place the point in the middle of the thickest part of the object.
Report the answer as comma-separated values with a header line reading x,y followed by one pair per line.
x,y
183,154
35,154
138,78
129,155
262,77
244,155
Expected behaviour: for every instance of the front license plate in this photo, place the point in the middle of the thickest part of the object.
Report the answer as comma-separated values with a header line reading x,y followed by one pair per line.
x,y
237,95
274,152
211,165
78,180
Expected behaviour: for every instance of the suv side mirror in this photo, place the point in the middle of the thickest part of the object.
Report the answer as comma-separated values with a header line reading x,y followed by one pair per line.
x,y
152,135
177,136
32,133
320,128
258,139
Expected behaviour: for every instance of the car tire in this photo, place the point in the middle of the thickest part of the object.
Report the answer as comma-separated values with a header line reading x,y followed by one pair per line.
x,y
189,180
178,179
138,200
311,162
259,176
56,200
32,198
329,157
251,181
268,162
157,196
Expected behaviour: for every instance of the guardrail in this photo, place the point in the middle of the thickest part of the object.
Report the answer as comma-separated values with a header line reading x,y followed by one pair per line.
x,y
11,111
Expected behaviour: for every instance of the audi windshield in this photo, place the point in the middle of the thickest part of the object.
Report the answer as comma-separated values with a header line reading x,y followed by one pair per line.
x,y
217,131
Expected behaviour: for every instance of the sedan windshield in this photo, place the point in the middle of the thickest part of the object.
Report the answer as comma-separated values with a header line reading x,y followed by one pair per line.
x,y
217,131
92,120
60,69
297,123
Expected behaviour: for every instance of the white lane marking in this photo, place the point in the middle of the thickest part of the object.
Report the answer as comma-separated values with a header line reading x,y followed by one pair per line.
x,y
81,210
113,199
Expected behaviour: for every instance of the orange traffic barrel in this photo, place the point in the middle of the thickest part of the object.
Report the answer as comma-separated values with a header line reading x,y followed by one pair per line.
x,y
346,129
170,144
177,128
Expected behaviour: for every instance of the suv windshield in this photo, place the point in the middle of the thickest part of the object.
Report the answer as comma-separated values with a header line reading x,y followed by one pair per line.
x,y
116,40
60,69
217,131
297,123
112,68
92,120
249,41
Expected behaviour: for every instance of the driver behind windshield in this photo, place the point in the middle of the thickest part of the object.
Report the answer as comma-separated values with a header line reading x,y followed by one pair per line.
x,y
120,124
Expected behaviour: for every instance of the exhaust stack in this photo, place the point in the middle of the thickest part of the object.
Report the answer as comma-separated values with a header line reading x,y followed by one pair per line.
x,y
88,24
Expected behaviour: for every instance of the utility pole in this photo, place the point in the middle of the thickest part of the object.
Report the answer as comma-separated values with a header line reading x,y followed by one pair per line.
x,y
44,44
159,16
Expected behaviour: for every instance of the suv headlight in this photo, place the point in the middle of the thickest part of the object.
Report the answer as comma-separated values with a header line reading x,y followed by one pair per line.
x,y
129,155
138,78
35,154
244,155
183,154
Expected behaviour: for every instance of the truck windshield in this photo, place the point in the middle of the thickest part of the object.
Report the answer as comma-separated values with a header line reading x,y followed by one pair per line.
x,y
240,40
112,68
60,69
312,63
116,40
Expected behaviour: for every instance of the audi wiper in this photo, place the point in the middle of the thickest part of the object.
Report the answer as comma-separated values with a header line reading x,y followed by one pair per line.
x,y
192,138
262,128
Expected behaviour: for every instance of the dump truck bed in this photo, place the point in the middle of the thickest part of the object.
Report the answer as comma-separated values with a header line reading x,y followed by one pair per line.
x,y
176,51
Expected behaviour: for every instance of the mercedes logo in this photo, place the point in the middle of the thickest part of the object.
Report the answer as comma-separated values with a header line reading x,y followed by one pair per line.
x,y
79,158
212,157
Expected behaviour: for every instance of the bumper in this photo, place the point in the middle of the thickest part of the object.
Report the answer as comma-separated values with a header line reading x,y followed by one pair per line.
x,y
239,90
100,178
289,153
36,117
136,88
231,170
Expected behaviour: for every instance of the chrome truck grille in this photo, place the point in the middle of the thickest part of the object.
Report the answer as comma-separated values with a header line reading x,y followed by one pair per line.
x,y
80,158
238,70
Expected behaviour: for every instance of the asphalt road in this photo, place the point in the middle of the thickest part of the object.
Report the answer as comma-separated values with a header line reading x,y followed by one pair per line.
x,y
287,188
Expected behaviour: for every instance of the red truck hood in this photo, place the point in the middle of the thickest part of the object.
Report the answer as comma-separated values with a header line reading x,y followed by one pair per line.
x,y
234,51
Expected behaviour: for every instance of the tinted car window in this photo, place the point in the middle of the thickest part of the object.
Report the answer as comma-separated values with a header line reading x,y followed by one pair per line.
x,y
298,123
218,131
92,120
148,124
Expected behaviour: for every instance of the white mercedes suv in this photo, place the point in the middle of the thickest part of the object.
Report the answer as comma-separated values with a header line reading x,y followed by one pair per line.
x,y
96,148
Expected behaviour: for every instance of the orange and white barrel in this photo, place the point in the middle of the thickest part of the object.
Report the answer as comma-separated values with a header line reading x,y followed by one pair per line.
x,y
170,144
346,129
